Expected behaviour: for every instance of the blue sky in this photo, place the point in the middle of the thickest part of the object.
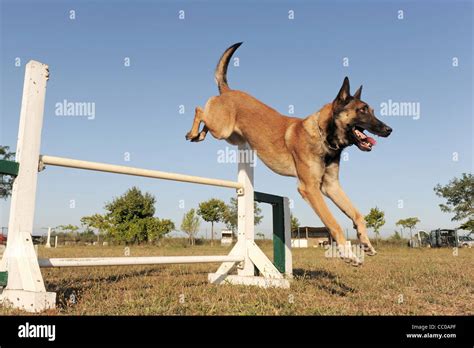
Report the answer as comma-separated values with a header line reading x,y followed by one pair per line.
x,y
282,62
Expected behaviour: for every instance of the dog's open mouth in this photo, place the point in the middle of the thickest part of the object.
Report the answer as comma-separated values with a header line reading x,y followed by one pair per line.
x,y
363,141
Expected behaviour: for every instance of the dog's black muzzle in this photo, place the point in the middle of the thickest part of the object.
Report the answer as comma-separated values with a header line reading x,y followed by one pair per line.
x,y
380,129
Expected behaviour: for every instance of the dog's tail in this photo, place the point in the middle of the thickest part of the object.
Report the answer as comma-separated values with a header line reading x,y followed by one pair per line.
x,y
221,68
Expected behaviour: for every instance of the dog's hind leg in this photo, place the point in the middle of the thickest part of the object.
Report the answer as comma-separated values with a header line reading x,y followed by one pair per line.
x,y
235,139
332,189
202,135
194,134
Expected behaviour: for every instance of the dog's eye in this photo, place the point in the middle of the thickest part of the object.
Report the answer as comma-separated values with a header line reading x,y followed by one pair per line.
x,y
364,109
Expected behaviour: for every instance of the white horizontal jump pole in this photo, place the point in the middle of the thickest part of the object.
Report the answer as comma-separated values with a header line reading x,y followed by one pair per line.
x,y
111,168
129,261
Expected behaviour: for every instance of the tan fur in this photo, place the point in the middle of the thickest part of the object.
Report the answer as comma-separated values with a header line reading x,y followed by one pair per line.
x,y
287,145
291,146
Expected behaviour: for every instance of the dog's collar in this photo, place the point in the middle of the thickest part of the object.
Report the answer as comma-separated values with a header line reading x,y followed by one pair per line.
x,y
324,138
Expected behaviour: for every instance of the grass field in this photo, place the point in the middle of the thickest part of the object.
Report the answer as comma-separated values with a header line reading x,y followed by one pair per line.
x,y
398,280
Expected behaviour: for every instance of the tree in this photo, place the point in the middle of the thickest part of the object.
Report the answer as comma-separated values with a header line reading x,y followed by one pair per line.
x,y
375,220
190,225
133,204
130,215
131,218
396,236
468,225
401,223
98,222
230,217
410,223
157,228
459,194
87,236
69,231
294,222
213,210
6,181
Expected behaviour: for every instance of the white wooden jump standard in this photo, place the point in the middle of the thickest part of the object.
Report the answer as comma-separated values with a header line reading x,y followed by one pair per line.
x,y
25,287
48,240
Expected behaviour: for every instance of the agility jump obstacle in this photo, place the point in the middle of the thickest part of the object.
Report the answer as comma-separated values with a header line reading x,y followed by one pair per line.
x,y
20,275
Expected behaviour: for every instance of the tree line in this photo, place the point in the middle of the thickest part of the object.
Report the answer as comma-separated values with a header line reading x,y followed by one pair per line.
x,y
130,219
459,195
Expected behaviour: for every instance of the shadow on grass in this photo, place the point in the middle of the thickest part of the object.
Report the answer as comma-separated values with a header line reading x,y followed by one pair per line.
x,y
324,280
69,291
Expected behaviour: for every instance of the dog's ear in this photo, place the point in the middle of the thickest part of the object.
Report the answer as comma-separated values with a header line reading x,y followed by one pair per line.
x,y
343,95
358,93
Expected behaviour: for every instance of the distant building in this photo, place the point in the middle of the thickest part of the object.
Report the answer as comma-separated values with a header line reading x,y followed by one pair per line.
x,y
307,237
226,237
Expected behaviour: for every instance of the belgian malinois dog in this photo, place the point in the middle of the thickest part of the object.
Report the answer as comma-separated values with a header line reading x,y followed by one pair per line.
x,y
309,149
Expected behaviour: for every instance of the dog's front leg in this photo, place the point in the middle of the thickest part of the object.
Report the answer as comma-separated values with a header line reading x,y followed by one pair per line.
x,y
332,188
309,188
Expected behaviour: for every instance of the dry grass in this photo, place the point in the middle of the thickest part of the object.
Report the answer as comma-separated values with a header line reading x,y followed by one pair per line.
x,y
428,281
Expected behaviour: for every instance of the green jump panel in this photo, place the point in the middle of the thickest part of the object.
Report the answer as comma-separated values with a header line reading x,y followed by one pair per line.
x,y
278,215
3,279
9,167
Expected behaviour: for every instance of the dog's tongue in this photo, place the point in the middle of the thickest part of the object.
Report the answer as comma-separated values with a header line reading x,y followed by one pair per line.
x,y
371,140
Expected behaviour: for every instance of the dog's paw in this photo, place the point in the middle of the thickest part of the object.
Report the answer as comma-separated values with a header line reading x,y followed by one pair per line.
x,y
348,256
190,136
368,249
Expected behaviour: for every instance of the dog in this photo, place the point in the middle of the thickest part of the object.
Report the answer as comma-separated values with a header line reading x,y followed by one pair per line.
x,y
308,149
